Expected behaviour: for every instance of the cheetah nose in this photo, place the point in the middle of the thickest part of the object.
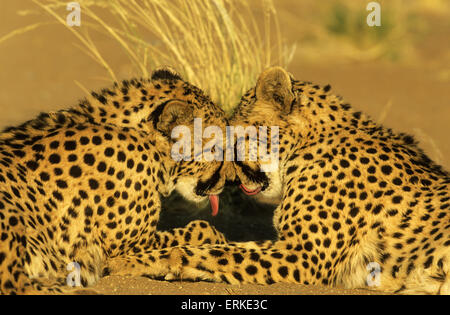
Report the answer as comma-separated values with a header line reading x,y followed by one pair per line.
x,y
214,201
233,183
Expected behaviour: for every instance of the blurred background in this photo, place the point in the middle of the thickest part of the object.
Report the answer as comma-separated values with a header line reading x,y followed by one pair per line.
x,y
399,72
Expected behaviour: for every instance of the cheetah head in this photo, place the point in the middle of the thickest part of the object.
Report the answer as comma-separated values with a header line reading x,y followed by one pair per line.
x,y
193,126
268,105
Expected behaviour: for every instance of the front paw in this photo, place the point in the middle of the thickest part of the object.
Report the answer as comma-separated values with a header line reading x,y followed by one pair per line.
x,y
171,277
151,264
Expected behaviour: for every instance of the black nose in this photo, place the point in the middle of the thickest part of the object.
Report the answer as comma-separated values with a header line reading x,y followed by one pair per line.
x,y
200,192
235,182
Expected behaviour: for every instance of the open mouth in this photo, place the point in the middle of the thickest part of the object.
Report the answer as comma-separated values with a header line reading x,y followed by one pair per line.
x,y
250,192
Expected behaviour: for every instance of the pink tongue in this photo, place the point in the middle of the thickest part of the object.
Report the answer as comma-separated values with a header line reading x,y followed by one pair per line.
x,y
214,201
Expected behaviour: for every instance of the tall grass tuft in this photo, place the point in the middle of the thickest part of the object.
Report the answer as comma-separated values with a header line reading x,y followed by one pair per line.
x,y
219,45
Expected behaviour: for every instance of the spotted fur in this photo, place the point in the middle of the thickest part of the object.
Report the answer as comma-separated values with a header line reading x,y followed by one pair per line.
x,y
83,185
360,205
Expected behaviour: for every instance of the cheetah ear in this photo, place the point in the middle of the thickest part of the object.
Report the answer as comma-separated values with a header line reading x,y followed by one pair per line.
x,y
165,73
274,86
175,113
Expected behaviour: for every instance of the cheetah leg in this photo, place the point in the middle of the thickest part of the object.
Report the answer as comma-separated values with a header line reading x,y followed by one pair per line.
x,y
235,264
14,257
14,279
196,233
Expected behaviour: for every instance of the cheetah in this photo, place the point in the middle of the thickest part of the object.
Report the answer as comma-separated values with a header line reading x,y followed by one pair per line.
x,y
83,185
360,206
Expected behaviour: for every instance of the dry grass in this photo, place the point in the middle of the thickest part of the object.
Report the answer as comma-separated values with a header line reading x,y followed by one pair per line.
x,y
217,45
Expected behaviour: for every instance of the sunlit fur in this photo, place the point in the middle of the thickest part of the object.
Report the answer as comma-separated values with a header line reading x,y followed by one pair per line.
x,y
361,206
83,185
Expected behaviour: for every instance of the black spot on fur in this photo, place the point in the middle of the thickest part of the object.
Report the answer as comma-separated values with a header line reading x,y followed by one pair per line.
x,y
164,74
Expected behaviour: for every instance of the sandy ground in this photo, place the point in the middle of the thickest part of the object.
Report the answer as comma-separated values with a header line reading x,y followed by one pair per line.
x,y
38,72
141,286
